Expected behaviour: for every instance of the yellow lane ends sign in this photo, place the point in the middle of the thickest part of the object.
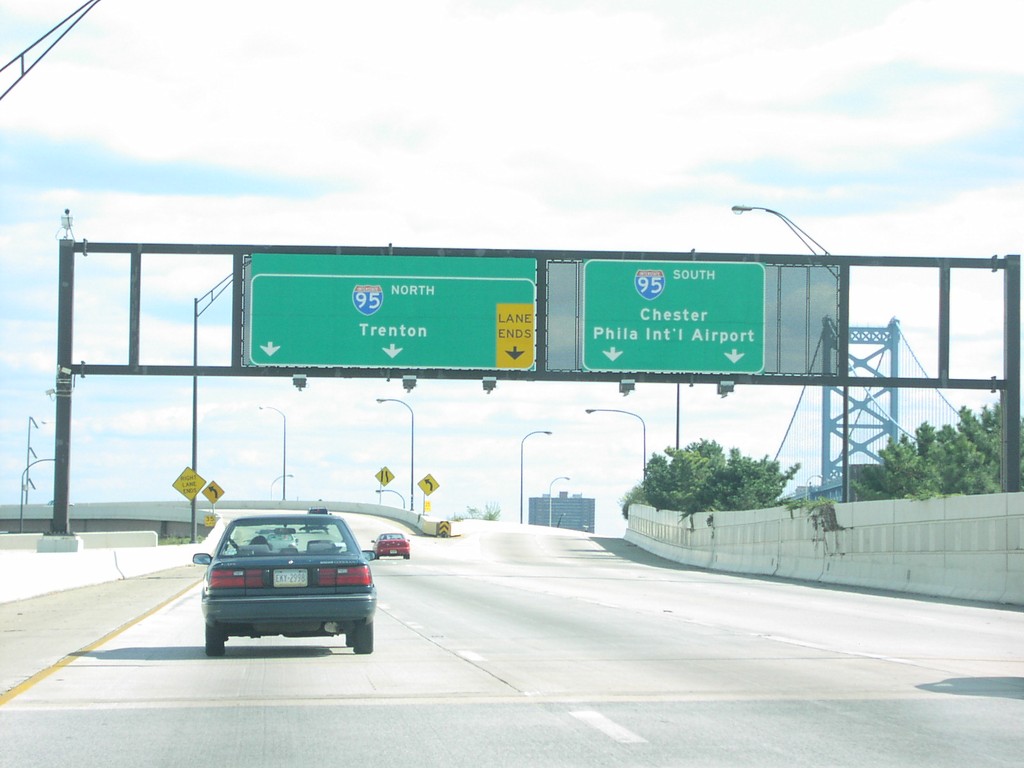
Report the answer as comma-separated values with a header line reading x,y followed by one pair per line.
x,y
515,342
189,483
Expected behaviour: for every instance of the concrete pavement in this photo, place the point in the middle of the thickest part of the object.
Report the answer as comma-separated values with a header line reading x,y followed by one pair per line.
x,y
39,632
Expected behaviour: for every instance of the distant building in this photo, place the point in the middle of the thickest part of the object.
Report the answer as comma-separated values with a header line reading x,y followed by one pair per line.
x,y
563,511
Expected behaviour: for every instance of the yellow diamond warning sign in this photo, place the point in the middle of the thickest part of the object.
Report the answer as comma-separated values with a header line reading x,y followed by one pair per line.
x,y
188,483
213,492
516,338
428,484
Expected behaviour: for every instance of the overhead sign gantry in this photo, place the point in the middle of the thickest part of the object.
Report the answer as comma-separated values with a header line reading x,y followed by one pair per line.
x,y
361,312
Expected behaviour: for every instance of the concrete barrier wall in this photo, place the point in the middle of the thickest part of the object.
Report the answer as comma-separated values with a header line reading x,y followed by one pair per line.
x,y
28,574
969,547
110,556
29,542
169,518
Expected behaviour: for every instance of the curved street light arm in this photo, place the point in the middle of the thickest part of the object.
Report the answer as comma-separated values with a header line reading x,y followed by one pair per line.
x,y
21,512
284,449
643,424
522,450
388,490
550,486
412,448
795,228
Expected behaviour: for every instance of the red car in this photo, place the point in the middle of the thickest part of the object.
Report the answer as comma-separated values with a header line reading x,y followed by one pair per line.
x,y
391,545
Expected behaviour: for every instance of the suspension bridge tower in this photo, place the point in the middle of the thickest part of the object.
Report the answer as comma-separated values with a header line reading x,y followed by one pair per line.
x,y
873,415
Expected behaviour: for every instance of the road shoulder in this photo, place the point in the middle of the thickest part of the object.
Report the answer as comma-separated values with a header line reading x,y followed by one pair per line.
x,y
38,632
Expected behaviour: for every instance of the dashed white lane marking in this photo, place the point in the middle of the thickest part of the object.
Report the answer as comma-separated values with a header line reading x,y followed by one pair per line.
x,y
470,655
607,727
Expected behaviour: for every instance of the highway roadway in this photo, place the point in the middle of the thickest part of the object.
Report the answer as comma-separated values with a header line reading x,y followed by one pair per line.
x,y
518,646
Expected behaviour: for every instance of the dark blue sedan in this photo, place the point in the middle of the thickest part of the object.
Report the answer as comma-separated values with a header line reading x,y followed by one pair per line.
x,y
296,575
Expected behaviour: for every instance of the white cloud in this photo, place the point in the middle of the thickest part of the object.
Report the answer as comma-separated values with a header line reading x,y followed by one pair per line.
x,y
877,126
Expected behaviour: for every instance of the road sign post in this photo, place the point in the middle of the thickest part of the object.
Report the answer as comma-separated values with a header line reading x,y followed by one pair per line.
x,y
391,311
687,317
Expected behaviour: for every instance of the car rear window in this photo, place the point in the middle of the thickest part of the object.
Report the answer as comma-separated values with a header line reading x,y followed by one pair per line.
x,y
313,537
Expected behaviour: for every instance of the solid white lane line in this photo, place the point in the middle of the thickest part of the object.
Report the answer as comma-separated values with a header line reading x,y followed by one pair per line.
x,y
607,727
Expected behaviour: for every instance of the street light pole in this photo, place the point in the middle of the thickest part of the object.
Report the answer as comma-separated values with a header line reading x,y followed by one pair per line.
x,y
522,444
29,455
21,512
643,424
807,491
412,446
284,449
381,491
274,481
549,496
804,238
210,296
807,240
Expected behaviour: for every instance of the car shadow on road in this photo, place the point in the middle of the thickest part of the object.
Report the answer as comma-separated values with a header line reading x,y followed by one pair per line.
x,y
633,553
185,653
993,687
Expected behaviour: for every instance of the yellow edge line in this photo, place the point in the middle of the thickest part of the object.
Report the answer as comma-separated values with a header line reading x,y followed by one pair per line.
x,y
38,677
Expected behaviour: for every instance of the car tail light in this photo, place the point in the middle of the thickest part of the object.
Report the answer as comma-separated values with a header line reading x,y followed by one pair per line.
x,y
233,578
353,576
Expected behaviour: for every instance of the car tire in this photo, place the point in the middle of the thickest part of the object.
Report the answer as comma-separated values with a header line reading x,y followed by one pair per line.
x,y
407,557
362,639
215,639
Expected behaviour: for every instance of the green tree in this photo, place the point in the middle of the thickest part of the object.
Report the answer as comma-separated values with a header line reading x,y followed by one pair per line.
x,y
491,511
939,462
702,477
968,458
634,495
903,473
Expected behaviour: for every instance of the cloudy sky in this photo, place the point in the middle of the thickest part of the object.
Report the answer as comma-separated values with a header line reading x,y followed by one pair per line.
x,y
882,127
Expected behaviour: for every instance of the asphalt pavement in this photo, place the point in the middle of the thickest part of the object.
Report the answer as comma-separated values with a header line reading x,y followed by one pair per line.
x,y
39,632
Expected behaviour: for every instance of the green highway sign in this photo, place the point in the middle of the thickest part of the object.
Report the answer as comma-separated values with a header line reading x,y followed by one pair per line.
x,y
391,311
673,316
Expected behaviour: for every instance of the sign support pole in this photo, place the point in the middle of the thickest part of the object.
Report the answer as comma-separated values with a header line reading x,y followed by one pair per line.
x,y
60,524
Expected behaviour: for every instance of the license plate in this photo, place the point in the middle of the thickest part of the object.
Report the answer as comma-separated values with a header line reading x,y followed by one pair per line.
x,y
394,551
291,577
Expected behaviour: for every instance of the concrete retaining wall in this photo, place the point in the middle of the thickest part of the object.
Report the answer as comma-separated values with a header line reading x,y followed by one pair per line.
x,y
969,547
